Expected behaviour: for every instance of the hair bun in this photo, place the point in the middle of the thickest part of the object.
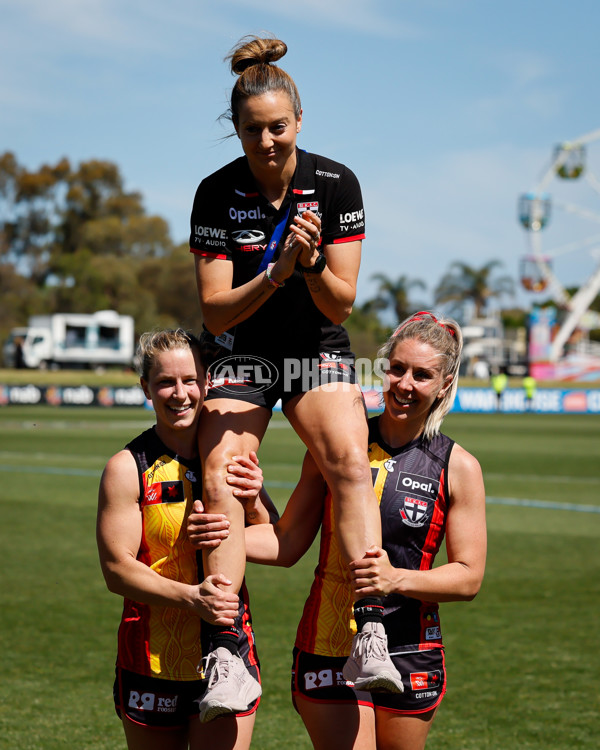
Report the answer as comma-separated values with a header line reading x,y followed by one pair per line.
x,y
253,50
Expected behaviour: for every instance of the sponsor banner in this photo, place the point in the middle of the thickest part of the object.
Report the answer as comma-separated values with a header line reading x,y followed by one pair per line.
x,y
483,401
545,401
79,395
468,400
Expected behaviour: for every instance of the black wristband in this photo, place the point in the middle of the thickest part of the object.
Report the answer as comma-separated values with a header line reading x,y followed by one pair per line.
x,y
318,267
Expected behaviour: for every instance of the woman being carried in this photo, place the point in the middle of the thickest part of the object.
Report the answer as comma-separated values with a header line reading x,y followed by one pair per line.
x,y
277,240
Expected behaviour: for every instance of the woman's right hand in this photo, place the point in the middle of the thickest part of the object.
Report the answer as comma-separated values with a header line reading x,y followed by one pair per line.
x,y
285,264
373,575
216,604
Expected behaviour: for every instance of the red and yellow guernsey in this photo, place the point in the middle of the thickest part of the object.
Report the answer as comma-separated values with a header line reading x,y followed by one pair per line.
x,y
166,642
411,485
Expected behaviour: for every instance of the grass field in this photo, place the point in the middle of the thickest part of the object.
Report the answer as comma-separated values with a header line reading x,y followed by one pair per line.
x,y
522,658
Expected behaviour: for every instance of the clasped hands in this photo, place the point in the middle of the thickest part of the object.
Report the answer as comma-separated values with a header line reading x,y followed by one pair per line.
x,y
301,245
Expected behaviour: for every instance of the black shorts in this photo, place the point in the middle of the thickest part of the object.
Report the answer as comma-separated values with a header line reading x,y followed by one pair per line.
x,y
320,679
264,382
166,704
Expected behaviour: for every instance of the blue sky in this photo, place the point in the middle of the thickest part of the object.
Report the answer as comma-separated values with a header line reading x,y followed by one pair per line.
x,y
446,110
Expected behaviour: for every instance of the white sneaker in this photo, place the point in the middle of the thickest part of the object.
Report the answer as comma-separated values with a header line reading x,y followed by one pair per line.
x,y
231,688
369,665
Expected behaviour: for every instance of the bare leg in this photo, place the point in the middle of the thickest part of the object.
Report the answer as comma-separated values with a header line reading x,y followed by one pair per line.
x,y
225,733
397,732
147,738
331,421
228,428
338,725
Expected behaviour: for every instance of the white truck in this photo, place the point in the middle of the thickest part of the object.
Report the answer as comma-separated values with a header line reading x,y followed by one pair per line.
x,y
72,340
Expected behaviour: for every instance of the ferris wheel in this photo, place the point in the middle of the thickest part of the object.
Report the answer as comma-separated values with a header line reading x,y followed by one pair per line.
x,y
540,207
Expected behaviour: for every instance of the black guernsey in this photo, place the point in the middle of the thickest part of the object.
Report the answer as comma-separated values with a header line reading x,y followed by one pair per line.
x,y
232,220
412,482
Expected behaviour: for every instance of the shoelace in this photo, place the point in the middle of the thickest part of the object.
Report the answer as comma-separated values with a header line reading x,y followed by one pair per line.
x,y
218,666
372,646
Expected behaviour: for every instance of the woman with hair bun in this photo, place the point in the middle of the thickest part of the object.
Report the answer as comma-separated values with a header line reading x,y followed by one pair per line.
x,y
428,488
277,237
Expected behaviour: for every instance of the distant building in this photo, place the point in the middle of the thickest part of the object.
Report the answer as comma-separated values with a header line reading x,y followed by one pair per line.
x,y
489,347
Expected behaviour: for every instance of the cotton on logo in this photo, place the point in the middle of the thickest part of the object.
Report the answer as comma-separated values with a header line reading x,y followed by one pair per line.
x,y
145,701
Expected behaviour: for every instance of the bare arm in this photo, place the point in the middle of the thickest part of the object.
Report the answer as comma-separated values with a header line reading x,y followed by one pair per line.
x,y
224,306
334,290
282,543
285,542
466,542
207,530
119,533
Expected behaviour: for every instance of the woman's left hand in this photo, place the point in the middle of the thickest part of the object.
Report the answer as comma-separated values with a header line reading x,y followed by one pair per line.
x,y
374,575
307,233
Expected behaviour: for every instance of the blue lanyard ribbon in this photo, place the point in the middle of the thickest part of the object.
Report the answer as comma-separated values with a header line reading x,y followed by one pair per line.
x,y
276,236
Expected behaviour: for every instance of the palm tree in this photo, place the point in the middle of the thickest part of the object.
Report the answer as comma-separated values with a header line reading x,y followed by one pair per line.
x,y
394,294
464,282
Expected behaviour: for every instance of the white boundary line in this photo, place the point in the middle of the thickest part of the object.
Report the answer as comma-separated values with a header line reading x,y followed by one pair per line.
x,y
510,501
543,504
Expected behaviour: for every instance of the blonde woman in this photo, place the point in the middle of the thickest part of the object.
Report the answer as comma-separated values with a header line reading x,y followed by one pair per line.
x,y
428,488
146,493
